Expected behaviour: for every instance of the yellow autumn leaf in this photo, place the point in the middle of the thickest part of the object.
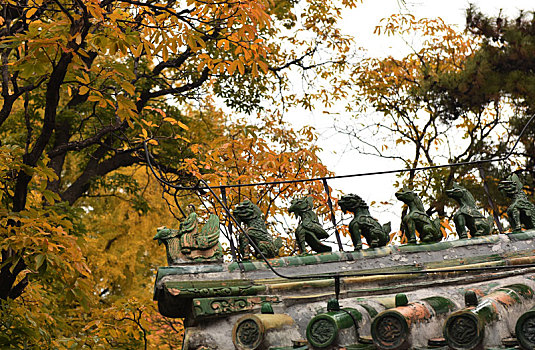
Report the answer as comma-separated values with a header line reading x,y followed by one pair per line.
x,y
137,50
129,88
263,66
231,68
165,53
170,120
31,12
241,67
94,98
182,125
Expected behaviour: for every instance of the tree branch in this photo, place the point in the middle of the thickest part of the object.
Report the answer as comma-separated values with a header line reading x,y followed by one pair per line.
x,y
95,169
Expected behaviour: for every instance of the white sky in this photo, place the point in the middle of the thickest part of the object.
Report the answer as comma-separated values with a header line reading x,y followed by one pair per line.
x,y
360,23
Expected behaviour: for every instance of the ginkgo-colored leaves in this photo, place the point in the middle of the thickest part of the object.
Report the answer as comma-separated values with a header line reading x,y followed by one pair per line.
x,y
89,81
233,27
40,231
271,151
213,36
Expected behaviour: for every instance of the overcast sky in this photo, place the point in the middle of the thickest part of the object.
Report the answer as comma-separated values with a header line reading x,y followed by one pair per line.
x,y
361,22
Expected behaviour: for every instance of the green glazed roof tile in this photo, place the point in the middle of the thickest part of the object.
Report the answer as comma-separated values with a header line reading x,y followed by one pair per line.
x,y
187,269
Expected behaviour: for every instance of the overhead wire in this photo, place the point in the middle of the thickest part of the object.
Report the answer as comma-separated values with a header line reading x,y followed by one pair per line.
x,y
381,172
336,276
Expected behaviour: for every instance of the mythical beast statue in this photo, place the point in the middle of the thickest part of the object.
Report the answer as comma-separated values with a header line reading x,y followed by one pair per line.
x,y
417,219
521,212
252,217
468,216
363,223
309,229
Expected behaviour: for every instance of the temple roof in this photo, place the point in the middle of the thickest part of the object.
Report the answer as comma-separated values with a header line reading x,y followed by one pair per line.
x,y
363,280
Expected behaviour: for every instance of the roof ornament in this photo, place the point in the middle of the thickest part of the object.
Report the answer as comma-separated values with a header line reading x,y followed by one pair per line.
x,y
363,223
468,215
253,218
188,243
470,298
309,229
521,212
417,219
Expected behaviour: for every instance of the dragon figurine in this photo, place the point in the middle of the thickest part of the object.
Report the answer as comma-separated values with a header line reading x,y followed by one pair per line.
x,y
309,229
468,216
363,223
252,217
521,212
187,243
417,219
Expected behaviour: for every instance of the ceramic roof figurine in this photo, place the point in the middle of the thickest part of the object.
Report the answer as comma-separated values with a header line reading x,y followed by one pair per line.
x,y
190,244
417,219
468,215
521,212
363,223
252,217
309,229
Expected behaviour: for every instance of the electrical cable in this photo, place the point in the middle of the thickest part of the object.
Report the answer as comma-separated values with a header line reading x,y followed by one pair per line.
x,y
383,172
333,217
336,276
